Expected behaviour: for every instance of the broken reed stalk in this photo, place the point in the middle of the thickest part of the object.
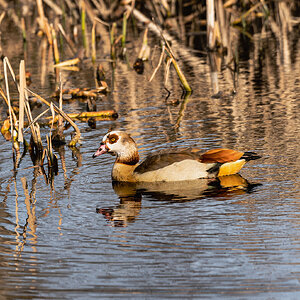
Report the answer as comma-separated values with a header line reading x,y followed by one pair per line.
x,y
36,119
178,70
245,15
68,40
105,114
67,63
77,136
169,51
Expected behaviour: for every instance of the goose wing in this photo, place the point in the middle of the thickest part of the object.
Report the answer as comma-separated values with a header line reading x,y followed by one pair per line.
x,y
221,156
163,159
166,158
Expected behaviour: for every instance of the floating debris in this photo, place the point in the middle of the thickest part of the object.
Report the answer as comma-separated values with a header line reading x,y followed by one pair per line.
x,y
84,116
82,92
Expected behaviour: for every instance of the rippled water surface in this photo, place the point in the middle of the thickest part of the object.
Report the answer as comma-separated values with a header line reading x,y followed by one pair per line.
x,y
82,237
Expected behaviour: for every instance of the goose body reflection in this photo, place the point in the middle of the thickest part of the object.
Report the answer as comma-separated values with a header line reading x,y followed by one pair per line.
x,y
130,194
170,165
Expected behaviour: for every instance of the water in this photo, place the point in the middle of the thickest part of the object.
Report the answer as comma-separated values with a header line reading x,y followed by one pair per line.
x,y
83,238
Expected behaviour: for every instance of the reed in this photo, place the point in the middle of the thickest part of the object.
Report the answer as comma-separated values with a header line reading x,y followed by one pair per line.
x,y
83,23
77,134
124,30
22,100
112,41
54,45
23,30
94,42
210,27
12,116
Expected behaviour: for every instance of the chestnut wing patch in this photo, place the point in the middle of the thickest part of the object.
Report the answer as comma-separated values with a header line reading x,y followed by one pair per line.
x,y
164,159
221,156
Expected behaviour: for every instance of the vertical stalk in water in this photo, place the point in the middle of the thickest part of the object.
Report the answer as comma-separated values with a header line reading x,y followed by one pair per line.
x,y
177,68
21,100
124,32
23,30
83,24
12,123
94,42
210,16
55,47
112,41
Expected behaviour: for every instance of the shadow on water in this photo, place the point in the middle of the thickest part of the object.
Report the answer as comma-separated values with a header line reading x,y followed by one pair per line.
x,y
131,194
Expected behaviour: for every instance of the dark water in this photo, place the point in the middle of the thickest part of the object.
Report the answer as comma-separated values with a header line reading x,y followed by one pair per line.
x,y
82,238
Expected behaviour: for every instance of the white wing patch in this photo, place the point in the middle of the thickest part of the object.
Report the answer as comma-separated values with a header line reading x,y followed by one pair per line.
x,y
188,169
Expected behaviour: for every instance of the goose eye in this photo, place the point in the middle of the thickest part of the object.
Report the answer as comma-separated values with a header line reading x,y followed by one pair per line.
x,y
113,138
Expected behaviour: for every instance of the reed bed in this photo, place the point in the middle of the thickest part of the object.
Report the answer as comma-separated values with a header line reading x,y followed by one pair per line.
x,y
76,27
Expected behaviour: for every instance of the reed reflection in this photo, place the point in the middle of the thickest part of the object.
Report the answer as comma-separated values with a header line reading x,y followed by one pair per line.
x,y
131,194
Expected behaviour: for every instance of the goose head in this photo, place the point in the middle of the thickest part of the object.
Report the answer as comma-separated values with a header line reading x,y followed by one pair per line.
x,y
122,145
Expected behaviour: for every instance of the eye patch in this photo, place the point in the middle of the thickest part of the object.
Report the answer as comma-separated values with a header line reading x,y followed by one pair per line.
x,y
113,138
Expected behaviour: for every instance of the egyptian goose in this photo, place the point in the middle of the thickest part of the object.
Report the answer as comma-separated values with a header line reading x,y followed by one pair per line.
x,y
171,165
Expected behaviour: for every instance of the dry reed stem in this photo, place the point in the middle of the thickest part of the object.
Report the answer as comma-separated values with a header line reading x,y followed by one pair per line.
x,y
2,17
210,16
60,123
101,22
179,72
167,72
168,48
54,45
112,41
66,63
49,139
6,101
112,114
12,122
54,7
246,14
68,40
94,42
34,129
124,29
83,23
23,29
43,21
21,100
36,119
159,62
145,49
76,138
